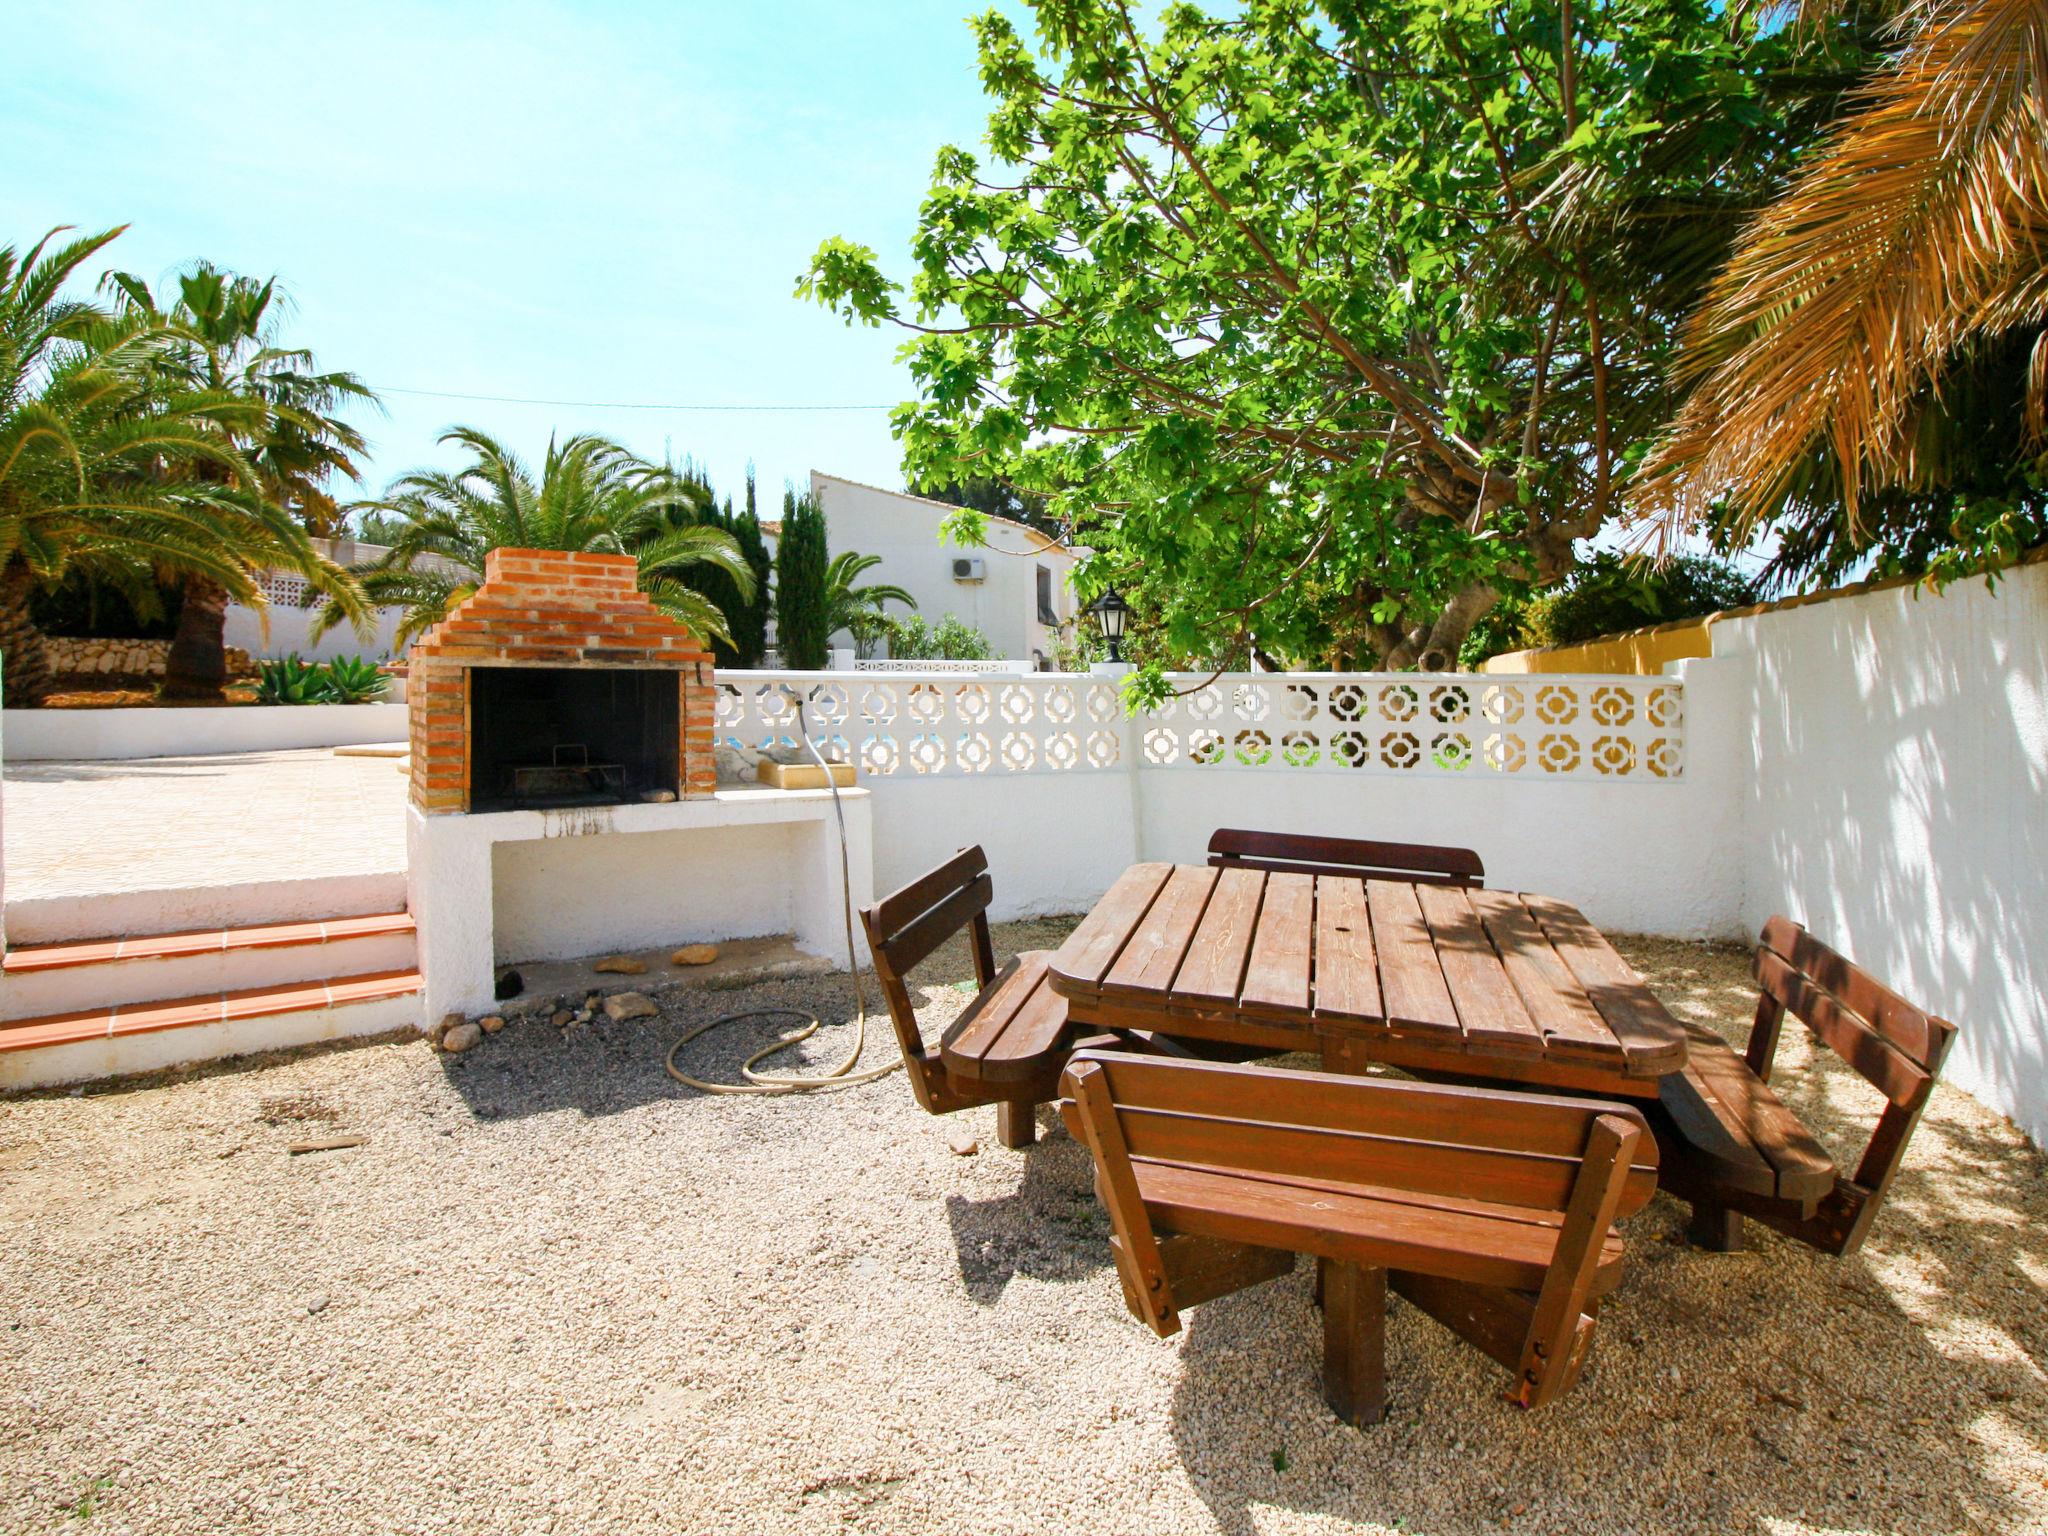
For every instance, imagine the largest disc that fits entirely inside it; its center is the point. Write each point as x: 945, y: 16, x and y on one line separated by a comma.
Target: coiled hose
x: 840, y: 1076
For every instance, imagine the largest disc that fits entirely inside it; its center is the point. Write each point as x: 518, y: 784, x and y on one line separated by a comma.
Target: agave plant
x: 591, y: 495
x: 354, y: 680
x: 289, y: 680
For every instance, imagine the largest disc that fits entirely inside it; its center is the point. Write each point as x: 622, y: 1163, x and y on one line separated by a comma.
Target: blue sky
x: 585, y: 202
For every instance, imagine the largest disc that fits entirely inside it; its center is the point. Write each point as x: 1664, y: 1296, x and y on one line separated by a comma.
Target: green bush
x: 1610, y: 594
x: 84, y: 607
x: 911, y: 639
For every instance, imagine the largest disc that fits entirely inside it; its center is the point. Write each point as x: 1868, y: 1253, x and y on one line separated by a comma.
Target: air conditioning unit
x: 970, y: 568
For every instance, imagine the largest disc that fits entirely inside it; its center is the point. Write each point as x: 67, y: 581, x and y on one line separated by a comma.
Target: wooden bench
x: 1493, y: 1212
x: 1732, y: 1147
x: 1426, y: 863
x: 1014, y: 1034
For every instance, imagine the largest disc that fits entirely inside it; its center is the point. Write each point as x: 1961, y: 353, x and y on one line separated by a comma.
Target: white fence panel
x: 1403, y: 723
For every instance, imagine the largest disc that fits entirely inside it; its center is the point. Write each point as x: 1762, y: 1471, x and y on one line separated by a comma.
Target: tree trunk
x: 197, y: 667
x: 1436, y: 648
x: 24, y: 664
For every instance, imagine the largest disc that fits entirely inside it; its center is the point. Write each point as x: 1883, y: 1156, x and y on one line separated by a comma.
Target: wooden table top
x: 1508, y: 982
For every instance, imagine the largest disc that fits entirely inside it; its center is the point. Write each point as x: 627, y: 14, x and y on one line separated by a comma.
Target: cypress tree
x: 749, y: 621
x: 800, y: 563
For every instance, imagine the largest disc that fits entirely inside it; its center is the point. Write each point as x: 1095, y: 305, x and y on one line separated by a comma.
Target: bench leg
x: 1016, y: 1123
x: 1714, y: 1227
x: 1354, y: 1341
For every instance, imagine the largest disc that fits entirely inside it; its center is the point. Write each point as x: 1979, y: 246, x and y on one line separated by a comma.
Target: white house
x: 1018, y: 590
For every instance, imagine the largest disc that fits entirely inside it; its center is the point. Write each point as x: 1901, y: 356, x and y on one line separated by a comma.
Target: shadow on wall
x: 1899, y: 784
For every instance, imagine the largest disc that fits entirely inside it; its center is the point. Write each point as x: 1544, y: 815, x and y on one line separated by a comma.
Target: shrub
x: 1610, y: 594
x: 911, y: 639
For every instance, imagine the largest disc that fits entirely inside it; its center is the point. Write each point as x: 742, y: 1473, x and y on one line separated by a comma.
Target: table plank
x: 1570, y: 1024
x: 1411, y: 978
x: 1347, y: 984
x: 1214, y: 968
x: 1092, y: 948
x: 1276, y: 978
x: 1488, y: 1005
x: 1652, y: 1040
x: 1160, y: 941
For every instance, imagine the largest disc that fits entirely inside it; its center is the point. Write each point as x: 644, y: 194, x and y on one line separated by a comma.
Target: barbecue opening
x: 547, y: 737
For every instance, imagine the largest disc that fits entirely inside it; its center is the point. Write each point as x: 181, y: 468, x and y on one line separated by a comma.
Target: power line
x: 618, y: 405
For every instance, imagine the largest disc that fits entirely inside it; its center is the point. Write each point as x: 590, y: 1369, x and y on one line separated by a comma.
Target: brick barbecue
x: 557, y: 669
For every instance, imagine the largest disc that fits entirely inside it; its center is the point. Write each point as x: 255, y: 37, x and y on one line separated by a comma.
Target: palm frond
x: 1923, y: 223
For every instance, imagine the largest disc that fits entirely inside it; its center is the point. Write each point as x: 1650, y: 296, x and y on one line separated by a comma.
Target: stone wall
x: 124, y: 658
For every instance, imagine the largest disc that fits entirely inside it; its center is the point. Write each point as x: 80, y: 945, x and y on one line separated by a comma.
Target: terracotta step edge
x: 31, y: 959
x: 207, y: 1008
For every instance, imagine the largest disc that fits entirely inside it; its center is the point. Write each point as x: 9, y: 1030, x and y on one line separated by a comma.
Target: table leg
x: 1354, y: 1340
x: 1016, y: 1123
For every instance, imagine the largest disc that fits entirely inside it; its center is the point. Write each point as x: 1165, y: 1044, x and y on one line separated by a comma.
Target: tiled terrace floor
x: 80, y: 829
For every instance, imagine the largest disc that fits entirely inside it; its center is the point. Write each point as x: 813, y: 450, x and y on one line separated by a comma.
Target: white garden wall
x: 1600, y: 790
x: 1894, y: 798
x: 77, y: 735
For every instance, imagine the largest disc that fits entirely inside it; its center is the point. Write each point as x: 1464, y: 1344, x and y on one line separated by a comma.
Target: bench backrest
x: 903, y: 929
x: 1234, y: 847
x: 1590, y: 1163
x: 1458, y: 1143
x: 1892, y: 1044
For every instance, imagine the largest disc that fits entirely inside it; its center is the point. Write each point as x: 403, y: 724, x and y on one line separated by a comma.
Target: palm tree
x: 592, y: 495
x: 857, y: 609
x: 108, y: 466
x: 225, y: 331
x: 1908, y: 257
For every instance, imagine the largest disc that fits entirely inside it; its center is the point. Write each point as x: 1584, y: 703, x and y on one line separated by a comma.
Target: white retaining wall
x: 1894, y: 797
x: 76, y: 735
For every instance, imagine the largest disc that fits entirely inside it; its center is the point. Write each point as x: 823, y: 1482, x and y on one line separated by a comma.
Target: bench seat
x: 1733, y: 1128
x: 1735, y: 1150
x: 1015, y: 1030
x: 1507, y: 1246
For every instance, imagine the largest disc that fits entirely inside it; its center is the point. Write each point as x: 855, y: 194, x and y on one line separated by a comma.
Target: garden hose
x: 840, y: 1076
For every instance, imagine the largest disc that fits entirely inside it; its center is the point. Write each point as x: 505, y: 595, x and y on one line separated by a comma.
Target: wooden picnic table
x: 1439, y: 979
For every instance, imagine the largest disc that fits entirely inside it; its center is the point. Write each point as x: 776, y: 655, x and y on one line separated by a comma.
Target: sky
x: 583, y: 202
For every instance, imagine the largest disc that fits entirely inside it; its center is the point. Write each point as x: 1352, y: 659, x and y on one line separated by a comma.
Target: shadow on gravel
x: 607, y: 1068
x: 1049, y: 1228
x: 1752, y: 1393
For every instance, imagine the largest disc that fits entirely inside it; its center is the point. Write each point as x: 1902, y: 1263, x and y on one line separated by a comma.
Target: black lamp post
x: 1109, y: 612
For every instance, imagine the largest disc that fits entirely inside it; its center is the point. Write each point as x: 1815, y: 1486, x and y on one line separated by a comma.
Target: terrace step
x: 81, y: 975
x: 143, y: 1037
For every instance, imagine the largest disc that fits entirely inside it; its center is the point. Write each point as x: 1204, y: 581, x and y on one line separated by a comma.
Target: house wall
x: 904, y: 531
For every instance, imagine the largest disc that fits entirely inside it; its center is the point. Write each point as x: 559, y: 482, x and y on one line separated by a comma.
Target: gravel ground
x: 556, y: 1292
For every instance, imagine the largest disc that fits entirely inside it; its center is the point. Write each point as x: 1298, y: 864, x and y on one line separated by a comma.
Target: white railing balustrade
x: 960, y: 722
